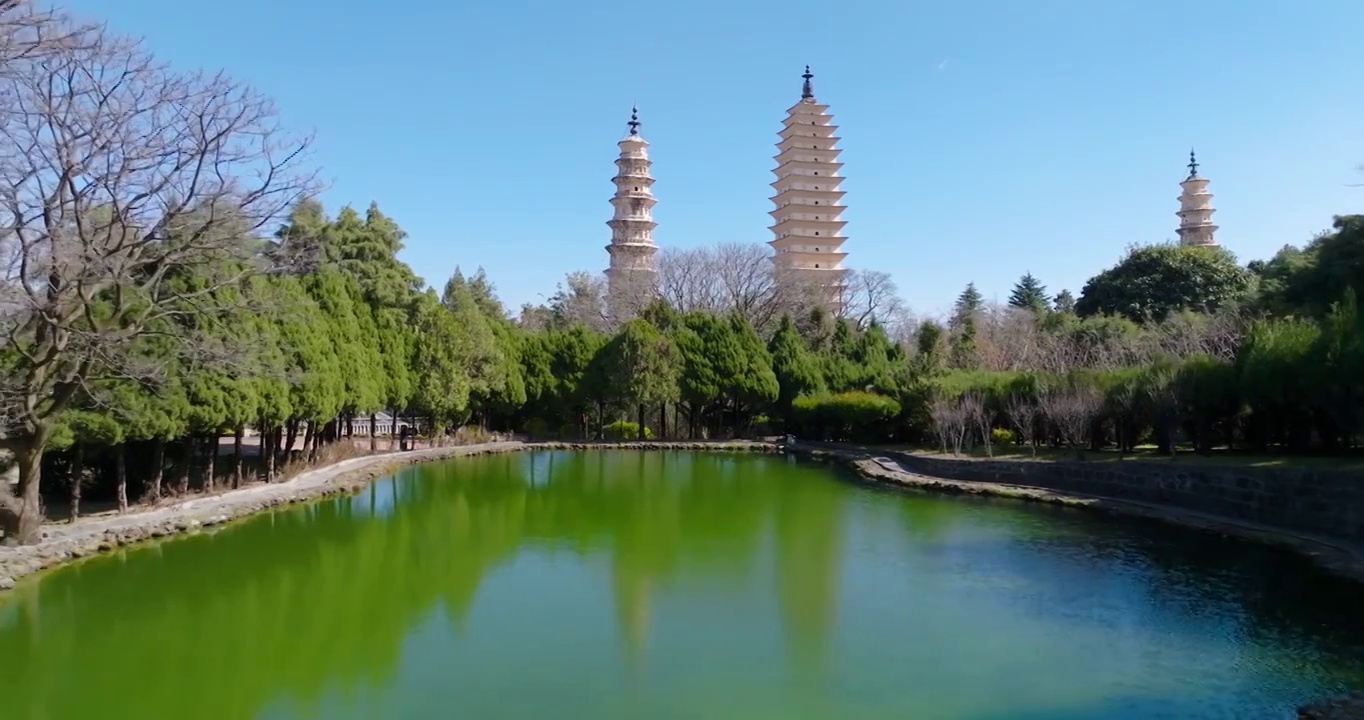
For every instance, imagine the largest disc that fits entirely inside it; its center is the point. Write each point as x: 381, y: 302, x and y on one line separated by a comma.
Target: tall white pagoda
x: 1195, y: 209
x: 630, y: 276
x: 807, y: 221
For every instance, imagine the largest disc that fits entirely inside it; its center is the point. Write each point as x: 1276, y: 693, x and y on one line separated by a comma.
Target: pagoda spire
x: 807, y: 224
x: 630, y: 275
x: 1195, y: 209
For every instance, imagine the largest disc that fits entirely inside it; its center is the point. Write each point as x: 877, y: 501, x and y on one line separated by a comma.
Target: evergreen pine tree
x: 1029, y: 293
x: 969, y: 302
x: 1064, y: 302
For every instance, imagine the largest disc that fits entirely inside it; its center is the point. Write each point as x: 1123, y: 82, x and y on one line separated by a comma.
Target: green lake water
x: 662, y: 585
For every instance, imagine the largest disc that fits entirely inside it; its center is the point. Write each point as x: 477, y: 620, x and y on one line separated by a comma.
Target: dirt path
x: 62, y: 543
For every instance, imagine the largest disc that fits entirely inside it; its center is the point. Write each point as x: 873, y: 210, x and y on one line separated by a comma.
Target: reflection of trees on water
x: 318, y: 600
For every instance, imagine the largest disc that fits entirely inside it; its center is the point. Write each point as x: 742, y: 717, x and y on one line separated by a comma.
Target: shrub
x: 1002, y: 436
x: 537, y: 428
x: 625, y: 430
x: 472, y: 435
x: 857, y: 416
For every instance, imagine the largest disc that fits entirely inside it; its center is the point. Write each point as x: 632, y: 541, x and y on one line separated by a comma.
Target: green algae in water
x: 677, y: 585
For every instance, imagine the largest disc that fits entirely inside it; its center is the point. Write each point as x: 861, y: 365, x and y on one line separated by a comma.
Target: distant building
x: 384, y: 425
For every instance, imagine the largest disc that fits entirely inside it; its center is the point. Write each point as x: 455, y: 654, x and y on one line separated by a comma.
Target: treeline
x: 1172, y: 346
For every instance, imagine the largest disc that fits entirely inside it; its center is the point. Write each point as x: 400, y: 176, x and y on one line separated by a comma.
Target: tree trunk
x: 237, y: 456
x: 350, y: 426
x: 373, y: 427
x: 331, y: 432
x: 324, y: 434
x: 308, y: 441
x: 182, y: 483
x: 663, y: 422
x: 290, y: 435
x: 393, y: 429
x: 210, y: 472
x: 643, y: 424
x: 268, y: 456
x: 77, y: 471
x: 263, y: 449
x: 23, y: 519
x: 153, y: 490
x: 121, y: 475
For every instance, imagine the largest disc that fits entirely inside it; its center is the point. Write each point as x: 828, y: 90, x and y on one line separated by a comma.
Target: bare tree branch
x: 735, y: 277
x: 870, y: 296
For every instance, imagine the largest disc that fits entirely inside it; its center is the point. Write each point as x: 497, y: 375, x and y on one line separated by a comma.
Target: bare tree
x: 686, y: 279
x: 949, y: 423
x: 978, y: 417
x: 734, y: 277
x: 628, y: 293
x: 1072, y: 409
x: 1008, y: 338
x: 1182, y: 335
x: 1023, y: 412
x: 28, y: 32
x: 870, y: 296
x: 581, y: 299
x: 116, y: 176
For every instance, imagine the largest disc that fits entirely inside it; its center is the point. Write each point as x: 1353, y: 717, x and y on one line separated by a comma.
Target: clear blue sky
x: 982, y: 138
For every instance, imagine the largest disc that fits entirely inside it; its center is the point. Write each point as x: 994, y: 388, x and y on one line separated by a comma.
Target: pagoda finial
x: 1193, y: 164
x: 634, y: 120
x: 807, y: 90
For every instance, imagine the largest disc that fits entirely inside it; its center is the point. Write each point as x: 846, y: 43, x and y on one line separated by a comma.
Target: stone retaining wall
x: 1324, y: 502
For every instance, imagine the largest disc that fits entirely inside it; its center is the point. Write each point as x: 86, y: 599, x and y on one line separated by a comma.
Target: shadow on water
x: 329, y: 602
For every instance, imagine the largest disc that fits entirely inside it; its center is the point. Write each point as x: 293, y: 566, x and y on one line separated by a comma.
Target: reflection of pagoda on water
x: 659, y: 519
x: 809, y: 534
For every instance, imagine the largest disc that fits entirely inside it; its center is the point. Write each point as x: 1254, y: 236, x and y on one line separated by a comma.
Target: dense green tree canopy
x: 1154, y: 281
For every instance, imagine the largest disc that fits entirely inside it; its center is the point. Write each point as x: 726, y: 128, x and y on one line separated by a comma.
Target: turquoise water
x: 677, y: 585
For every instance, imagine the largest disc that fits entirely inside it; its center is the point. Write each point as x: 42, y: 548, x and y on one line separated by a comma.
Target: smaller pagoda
x: 1195, y: 209
x: 630, y: 276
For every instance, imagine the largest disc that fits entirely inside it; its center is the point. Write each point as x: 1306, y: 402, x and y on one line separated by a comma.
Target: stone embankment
x: 1225, y: 500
